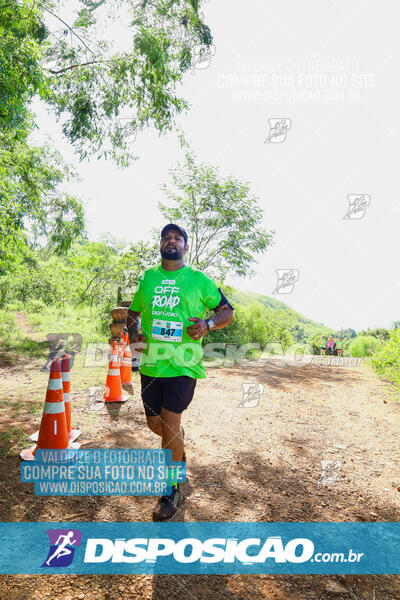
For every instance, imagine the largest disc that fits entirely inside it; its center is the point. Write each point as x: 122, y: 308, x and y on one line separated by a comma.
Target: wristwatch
x: 210, y: 324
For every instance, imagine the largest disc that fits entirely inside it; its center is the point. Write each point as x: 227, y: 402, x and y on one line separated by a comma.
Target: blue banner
x: 102, y: 472
x: 200, y: 548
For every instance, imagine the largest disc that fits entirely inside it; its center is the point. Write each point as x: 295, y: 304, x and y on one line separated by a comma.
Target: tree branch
x: 208, y: 240
x: 70, y: 28
x: 91, y: 62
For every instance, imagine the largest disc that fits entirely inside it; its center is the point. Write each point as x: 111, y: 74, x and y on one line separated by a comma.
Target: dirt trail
x: 320, y: 444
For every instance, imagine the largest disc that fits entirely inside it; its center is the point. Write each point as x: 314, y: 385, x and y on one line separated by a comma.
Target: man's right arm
x: 133, y: 322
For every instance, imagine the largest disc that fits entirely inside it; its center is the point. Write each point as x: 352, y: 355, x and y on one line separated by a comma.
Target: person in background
x: 331, y: 345
x: 323, y: 345
x: 339, y: 347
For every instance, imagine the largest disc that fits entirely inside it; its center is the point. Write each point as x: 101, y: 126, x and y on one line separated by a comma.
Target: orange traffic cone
x: 113, y: 391
x: 53, y: 433
x: 126, y: 366
x: 73, y: 434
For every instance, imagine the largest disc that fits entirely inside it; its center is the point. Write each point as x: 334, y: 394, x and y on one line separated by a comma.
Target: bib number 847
x: 164, y: 331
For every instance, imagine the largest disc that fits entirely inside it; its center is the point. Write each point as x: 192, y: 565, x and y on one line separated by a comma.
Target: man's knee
x: 154, y: 424
x: 170, y: 421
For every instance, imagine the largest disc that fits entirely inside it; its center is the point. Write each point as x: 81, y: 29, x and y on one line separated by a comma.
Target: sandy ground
x: 320, y: 443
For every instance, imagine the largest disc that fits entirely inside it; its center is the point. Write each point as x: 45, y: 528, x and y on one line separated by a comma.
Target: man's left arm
x: 224, y: 314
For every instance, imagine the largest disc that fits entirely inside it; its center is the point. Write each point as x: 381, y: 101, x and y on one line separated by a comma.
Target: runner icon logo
x: 201, y: 56
x: 357, y: 205
x: 278, y: 129
x: 252, y: 393
x: 63, y: 543
x: 286, y: 280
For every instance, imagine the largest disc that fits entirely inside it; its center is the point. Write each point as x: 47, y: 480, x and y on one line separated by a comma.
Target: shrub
x: 9, y: 331
x: 363, y: 345
x: 386, y: 361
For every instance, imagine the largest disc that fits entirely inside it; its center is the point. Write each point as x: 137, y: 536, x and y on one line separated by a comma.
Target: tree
x: 348, y: 333
x: 221, y: 217
x: 278, y: 327
x: 22, y: 33
x: 105, y: 95
x: 32, y: 207
x: 91, y: 85
x: 380, y: 332
x: 33, y: 210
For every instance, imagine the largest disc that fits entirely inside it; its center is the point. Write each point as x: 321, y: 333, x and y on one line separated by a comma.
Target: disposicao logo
x: 189, y: 550
x: 63, y: 543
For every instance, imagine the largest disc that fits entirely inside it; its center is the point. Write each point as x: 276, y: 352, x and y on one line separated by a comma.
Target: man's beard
x: 171, y: 254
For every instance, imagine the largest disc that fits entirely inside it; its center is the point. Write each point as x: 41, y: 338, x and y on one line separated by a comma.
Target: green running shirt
x: 166, y: 300
x: 339, y: 344
x: 323, y: 343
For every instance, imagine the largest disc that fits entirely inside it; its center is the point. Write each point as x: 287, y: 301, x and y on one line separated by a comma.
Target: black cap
x: 177, y: 228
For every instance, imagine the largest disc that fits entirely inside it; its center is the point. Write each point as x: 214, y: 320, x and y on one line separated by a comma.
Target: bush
x: 363, y: 345
x: 35, y: 306
x: 386, y: 361
x: 9, y: 331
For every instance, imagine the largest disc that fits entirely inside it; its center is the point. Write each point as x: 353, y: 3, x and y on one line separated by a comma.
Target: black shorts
x: 173, y: 393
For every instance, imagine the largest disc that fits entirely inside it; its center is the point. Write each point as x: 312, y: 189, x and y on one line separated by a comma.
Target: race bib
x: 167, y: 331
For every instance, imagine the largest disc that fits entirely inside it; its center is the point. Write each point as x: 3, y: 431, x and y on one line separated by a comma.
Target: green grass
x: 68, y: 319
x: 13, y: 440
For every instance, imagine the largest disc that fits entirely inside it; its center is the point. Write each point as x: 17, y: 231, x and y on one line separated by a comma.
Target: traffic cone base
x: 28, y: 453
x: 53, y: 433
x: 123, y: 397
x: 74, y: 434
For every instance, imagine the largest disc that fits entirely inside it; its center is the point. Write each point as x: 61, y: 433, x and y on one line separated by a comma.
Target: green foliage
x: 302, y: 329
x: 71, y: 319
x: 31, y: 205
x: 93, y: 84
x: 88, y: 278
x: 254, y: 324
x: 235, y: 333
x: 386, y: 360
x: 8, y: 329
x: 279, y: 326
x: 347, y: 334
x: 363, y: 345
x: 221, y: 217
x: 380, y: 333
x: 22, y: 35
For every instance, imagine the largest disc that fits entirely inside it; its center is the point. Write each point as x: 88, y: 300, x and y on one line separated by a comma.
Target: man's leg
x: 177, y: 395
x: 171, y: 433
x: 152, y: 399
x: 154, y: 423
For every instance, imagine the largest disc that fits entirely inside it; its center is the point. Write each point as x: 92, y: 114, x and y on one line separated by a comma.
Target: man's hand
x: 198, y: 329
x: 138, y: 343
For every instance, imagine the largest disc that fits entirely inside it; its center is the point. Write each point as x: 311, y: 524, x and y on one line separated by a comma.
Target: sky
x: 301, y: 101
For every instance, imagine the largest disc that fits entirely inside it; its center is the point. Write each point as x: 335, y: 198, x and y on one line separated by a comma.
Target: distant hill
x: 304, y: 326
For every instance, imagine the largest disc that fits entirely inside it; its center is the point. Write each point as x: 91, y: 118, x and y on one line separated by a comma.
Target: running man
x: 62, y: 549
x: 331, y: 345
x: 323, y: 345
x: 339, y: 346
x: 170, y: 304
